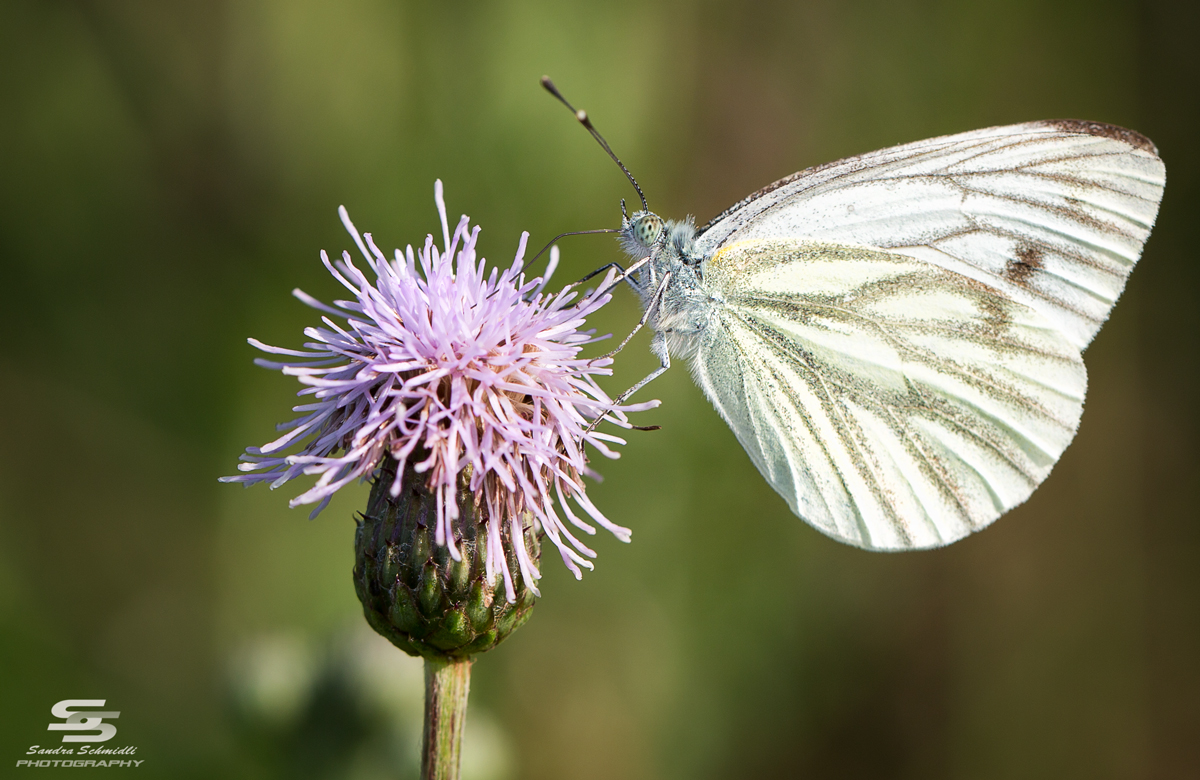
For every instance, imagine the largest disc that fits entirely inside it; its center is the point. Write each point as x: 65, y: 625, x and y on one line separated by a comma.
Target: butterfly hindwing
x: 893, y: 403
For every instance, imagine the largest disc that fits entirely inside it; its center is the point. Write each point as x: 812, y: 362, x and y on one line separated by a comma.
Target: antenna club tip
x: 547, y: 83
x: 582, y: 116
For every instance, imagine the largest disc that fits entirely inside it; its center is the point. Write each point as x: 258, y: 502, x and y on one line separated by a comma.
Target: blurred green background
x: 168, y: 173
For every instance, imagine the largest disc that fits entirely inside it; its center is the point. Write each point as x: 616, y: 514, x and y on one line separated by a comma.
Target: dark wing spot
x: 1019, y: 269
x: 1134, y: 139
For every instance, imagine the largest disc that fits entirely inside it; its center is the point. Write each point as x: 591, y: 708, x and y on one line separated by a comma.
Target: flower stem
x: 447, y: 683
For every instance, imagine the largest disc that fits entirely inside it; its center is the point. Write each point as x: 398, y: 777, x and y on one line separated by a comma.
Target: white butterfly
x: 895, y: 338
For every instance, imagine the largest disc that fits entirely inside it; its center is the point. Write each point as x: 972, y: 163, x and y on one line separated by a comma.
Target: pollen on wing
x: 447, y: 365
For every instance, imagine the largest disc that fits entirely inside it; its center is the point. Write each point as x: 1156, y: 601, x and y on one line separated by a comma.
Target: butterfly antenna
x: 582, y: 116
x: 564, y: 235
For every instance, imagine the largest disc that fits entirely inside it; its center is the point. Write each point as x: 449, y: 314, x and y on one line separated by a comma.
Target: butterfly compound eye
x: 647, y: 229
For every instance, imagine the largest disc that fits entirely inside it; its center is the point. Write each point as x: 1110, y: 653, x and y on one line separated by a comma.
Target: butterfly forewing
x: 893, y: 403
x: 1050, y: 214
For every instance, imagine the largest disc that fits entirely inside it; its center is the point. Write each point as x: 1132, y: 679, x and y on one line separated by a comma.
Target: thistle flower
x: 467, y: 374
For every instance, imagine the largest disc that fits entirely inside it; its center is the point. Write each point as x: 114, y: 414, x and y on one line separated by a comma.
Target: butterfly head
x: 640, y: 233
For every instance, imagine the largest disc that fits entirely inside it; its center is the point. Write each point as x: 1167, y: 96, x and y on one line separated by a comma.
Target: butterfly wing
x: 893, y: 403
x: 1050, y: 214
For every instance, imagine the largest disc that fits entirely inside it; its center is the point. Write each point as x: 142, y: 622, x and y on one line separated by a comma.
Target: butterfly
x: 895, y: 338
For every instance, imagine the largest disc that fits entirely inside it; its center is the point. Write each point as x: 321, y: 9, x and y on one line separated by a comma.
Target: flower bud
x: 412, y: 589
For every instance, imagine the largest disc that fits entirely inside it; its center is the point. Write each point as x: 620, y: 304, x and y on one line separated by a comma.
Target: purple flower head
x: 441, y: 361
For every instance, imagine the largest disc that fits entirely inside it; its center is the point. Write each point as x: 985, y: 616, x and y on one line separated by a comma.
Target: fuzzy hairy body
x: 685, y: 307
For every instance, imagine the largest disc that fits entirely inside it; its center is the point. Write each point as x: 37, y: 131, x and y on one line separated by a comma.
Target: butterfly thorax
x: 671, y: 281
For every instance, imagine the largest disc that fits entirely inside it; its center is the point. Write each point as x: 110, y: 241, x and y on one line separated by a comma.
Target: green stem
x: 446, y: 686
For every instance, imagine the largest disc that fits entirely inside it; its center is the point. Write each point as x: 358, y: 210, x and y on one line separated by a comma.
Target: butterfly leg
x: 658, y: 293
x: 601, y: 270
x: 658, y: 346
x: 626, y: 276
x: 623, y: 276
